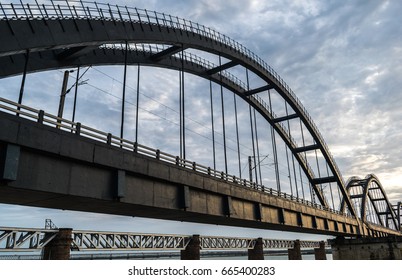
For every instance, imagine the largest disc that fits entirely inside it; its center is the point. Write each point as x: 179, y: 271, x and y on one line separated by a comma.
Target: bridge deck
x: 59, y: 169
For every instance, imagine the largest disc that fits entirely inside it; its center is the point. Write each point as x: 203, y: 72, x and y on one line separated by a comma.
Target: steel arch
x: 74, y: 31
x: 367, y: 185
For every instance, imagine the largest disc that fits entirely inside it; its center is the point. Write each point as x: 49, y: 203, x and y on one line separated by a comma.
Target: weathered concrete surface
x: 320, y: 253
x: 57, y: 169
x: 380, y: 248
x: 295, y: 252
x: 192, y: 251
x: 257, y: 253
x: 59, y: 247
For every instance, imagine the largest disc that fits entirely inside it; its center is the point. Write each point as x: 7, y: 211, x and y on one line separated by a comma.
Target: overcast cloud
x: 343, y: 59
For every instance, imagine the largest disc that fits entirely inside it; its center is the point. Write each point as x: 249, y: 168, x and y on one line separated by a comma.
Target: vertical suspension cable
x: 213, y: 126
x: 330, y: 190
x: 24, y: 75
x: 183, y: 103
x: 319, y: 172
x: 223, y: 119
x: 137, y: 103
x: 252, y: 133
x: 293, y: 158
x: 181, y: 115
x: 305, y: 159
x: 124, y: 92
x: 301, y: 182
x: 76, y: 93
x: 237, y: 134
x: 290, y: 179
x: 275, y: 152
x: 258, y: 148
x: 339, y: 195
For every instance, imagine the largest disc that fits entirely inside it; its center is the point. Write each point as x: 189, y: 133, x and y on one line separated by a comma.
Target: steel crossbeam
x: 19, y: 239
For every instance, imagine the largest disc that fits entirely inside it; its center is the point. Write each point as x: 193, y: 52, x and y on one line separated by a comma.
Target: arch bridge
x: 262, y: 123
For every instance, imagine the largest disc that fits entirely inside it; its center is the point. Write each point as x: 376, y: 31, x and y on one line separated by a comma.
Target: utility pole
x: 250, y: 168
x: 63, y: 97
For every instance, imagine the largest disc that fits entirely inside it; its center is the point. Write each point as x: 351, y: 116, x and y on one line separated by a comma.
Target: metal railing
x: 79, y: 129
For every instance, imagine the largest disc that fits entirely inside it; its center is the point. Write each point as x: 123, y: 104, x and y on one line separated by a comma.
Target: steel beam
x: 286, y: 118
x: 258, y: 90
x: 222, y: 67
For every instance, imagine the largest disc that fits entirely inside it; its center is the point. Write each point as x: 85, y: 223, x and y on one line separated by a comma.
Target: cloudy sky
x: 343, y: 59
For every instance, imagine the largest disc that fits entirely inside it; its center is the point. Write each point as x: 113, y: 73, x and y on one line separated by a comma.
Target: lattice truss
x: 127, y: 241
x: 210, y: 243
x: 17, y: 239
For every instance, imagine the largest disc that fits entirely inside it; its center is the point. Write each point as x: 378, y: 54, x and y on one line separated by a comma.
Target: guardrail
x: 79, y: 129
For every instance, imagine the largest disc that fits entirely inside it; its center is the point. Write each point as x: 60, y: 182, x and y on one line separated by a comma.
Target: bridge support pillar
x: 192, y: 251
x: 59, y: 247
x: 320, y: 253
x: 257, y: 253
x: 295, y: 252
x: 380, y: 248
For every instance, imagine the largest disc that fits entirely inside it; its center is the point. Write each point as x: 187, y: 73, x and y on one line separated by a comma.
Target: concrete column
x: 59, y: 247
x: 295, y: 252
x: 320, y: 253
x: 192, y: 251
x: 257, y: 253
x: 378, y: 248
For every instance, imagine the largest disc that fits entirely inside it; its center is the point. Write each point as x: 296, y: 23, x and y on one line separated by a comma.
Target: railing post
x: 192, y: 251
x: 158, y: 154
x: 109, y: 139
x: 41, y: 116
x: 78, y: 128
x: 59, y: 247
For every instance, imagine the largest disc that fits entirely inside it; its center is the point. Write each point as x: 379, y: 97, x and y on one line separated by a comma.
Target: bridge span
x: 54, y: 162
x: 56, y: 243
x: 64, y: 167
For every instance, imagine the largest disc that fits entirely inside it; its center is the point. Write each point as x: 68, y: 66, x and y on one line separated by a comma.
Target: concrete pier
x: 380, y: 248
x: 192, y: 251
x: 257, y: 253
x: 320, y: 253
x: 59, y: 247
x: 295, y: 252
